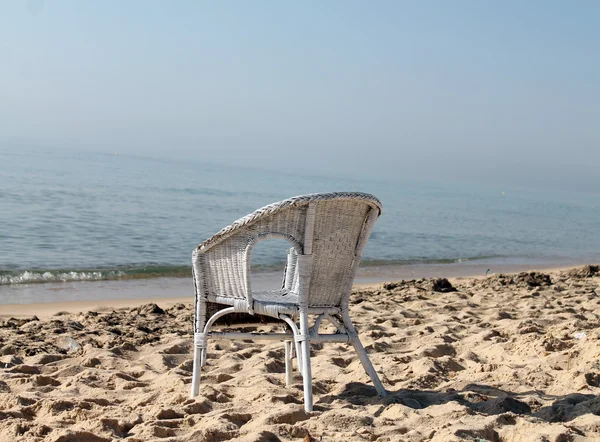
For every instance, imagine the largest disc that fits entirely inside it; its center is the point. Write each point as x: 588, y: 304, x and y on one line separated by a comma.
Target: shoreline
x: 47, y: 309
x: 75, y: 297
x: 10, y: 277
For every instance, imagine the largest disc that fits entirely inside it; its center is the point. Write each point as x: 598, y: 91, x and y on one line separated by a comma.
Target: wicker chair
x: 328, y: 233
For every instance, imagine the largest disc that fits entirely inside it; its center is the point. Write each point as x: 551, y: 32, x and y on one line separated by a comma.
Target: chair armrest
x: 290, y: 275
x: 222, y: 270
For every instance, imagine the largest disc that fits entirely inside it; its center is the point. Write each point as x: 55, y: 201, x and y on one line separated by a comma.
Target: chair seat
x: 275, y: 302
x: 269, y: 302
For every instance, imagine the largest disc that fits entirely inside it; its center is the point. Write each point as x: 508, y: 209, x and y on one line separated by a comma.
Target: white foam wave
x: 36, y: 277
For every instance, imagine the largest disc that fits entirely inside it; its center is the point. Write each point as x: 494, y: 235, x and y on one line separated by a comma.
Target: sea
x: 78, y: 225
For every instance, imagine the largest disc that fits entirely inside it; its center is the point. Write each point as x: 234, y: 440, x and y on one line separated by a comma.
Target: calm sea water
x: 84, y: 216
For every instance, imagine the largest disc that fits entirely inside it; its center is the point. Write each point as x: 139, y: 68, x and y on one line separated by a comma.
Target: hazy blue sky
x: 506, y: 90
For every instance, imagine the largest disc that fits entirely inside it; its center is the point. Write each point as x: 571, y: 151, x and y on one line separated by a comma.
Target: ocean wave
x: 29, y: 277
x: 37, y: 276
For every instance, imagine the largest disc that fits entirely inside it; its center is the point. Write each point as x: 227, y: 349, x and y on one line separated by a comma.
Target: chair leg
x: 300, y: 358
x: 363, y: 356
x: 288, y: 363
x: 203, y: 357
x: 306, y: 368
x: 197, y: 364
x: 296, y: 342
x: 200, y: 346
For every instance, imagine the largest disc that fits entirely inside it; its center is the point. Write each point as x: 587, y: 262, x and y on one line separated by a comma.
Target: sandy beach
x: 503, y: 357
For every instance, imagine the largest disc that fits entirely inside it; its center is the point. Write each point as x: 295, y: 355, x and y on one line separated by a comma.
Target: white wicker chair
x: 328, y: 233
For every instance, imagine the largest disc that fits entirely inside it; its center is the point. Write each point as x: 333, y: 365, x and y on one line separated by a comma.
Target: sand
x: 502, y: 358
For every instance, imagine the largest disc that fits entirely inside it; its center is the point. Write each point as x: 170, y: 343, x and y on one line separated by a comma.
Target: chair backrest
x: 332, y: 227
x: 341, y: 230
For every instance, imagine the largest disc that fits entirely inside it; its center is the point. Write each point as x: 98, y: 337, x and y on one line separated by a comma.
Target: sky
x: 464, y: 90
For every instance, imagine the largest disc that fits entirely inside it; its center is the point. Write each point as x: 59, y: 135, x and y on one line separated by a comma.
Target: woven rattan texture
x: 282, y: 205
x: 338, y: 225
x: 342, y: 223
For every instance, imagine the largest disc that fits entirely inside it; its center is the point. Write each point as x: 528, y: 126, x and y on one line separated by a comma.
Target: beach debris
x: 150, y: 309
x: 592, y: 379
x: 587, y: 271
x: 580, y: 335
x: 391, y: 285
x: 568, y: 407
x: 16, y: 323
x: 435, y: 284
x: 502, y: 405
x: 523, y: 279
x: 69, y: 344
x: 414, y: 283
x: 442, y: 285
x: 533, y: 279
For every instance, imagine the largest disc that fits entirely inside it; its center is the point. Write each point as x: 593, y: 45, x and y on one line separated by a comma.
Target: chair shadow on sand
x: 479, y: 398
